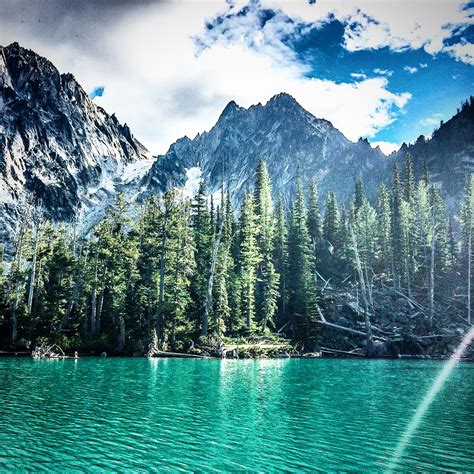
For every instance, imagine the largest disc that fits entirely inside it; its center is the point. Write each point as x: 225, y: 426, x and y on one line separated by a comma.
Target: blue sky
x: 387, y: 70
x: 436, y: 77
x: 97, y: 92
x: 438, y: 83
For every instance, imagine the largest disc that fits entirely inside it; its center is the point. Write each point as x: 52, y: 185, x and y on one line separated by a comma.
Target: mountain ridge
x: 277, y: 131
x: 67, y: 152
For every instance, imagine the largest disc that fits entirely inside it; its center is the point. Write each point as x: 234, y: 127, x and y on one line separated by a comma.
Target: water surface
x: 120, y: 414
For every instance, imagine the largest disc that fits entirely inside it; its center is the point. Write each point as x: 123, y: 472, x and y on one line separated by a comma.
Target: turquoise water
x: 168, y: 415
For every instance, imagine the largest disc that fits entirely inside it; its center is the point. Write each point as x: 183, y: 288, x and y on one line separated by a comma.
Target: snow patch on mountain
x: 133, y: 172
x: 193, y: 180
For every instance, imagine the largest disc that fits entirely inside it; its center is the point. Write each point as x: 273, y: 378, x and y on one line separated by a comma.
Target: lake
x: 134, y: 414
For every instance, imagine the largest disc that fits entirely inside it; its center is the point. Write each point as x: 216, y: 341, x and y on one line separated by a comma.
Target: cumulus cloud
x: 386, y: 147
x: 358, y: 75
x: 383, y: 72
x: 462, y: 51
x: 410, y: 69
x: 167, y: 75
x: 402, y: 25
x: 169, y: 68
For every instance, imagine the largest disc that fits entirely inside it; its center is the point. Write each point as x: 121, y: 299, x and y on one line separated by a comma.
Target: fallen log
x: 14, y: 353
x: 410, y: 300
x: 283, y: 327
x: 327, y: 350
x: 352, y: 331
x: 178, y: 354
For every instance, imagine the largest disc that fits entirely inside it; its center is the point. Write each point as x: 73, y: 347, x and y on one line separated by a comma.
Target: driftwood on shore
x: 352, y: 331
x: 337, y: 352
x: 178, y: 354
x: 48, y: 351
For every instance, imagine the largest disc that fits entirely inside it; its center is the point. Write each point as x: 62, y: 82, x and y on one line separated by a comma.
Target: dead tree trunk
x: 33, y: 271
x: 121, y: 336
x: 19, y: 254
x: 360, y: 273
x: 99, y: 312
x: 94, y: 294
x: 159, y: 311
x: 432, y: 273
x: 210, y: 282
x: 469, y: 263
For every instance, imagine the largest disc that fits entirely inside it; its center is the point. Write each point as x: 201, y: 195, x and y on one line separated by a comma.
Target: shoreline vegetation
x: 195, y: 278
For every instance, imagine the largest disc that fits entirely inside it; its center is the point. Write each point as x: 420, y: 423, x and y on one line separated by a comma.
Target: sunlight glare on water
x: 426, y: 402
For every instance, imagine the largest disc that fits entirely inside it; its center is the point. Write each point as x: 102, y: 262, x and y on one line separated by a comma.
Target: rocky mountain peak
x: 56, y: 144
x: 283, y: 99
x: 284, y: 134
x: 229, y: 109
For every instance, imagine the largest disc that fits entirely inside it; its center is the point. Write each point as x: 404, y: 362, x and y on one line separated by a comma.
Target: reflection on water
x: 209, y: 415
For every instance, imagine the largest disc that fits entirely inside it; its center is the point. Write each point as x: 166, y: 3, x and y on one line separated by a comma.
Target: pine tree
x: 314, y: 214
x: 267, y: 277
x: 280, y: 258
x: 410, y: 187
x: 249, y: 259
x: 359, y: 196
x: 148, y: 230
x: 55, y: 281
x: 365, y: 228
x: 331, y: 235
x: 398, y: 237
x: 119, y: 254
x: 180, y: 267
x: 203, y: 231
x: 409, y: 222
x: 301, y: 291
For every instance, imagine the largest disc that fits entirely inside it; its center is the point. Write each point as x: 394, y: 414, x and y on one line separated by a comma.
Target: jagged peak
x: 13, y: 46
x: 16, y: 49
x: 283, y: 98
x: 229, y: 108
x: 18, y: 59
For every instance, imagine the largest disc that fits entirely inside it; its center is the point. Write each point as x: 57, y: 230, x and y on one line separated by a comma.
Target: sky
x: 384, y: 70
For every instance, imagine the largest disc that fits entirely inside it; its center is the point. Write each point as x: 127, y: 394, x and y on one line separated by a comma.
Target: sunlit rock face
x: 286, y: 136
x: 56, y: 145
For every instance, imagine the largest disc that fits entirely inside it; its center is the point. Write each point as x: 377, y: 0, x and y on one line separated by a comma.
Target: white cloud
x: 357, y: 75
x: 433, y: 120
x: 383, y: 72
x: 423, y: 65
x: 386, y: 147
x: 399, y: 25
x: 156, y: 81
x: 410, y: 69
x: 462, y: 51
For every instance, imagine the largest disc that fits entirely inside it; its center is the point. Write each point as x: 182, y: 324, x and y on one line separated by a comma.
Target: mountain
x: 286, y: 136
x: 56, y: 145
x: 62, y: 151
x: 289, y: 138
x: 449, y: 153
